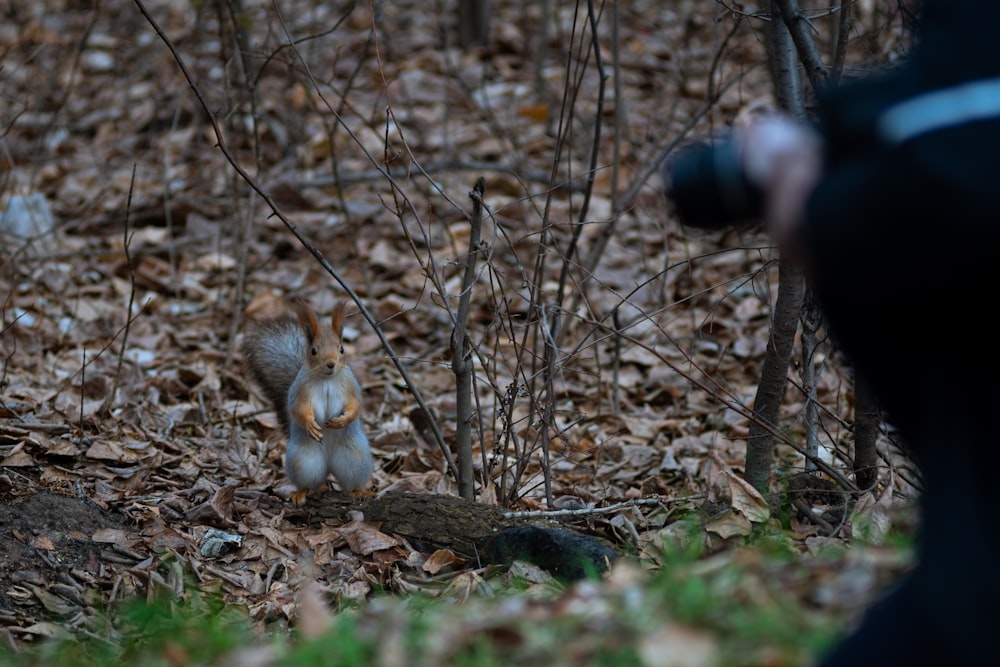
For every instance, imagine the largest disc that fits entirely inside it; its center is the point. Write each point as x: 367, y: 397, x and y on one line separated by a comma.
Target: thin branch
x: 461, y: 350
x: 551, y: 361
x: 126, y: 243
x: 447, y: 164
x: 843, y: 36
x: 594, y: 511
x: 798, y: 26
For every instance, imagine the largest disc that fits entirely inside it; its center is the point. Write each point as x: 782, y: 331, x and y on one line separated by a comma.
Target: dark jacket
x: 902, y: 243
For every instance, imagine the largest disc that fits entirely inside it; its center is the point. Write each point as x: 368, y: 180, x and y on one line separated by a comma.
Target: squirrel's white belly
x: 328, y: 401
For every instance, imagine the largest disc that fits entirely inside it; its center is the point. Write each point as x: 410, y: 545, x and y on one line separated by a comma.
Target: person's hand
x: 783, y: 157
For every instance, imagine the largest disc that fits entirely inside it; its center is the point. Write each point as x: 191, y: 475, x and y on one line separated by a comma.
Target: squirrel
x: 300, y: 368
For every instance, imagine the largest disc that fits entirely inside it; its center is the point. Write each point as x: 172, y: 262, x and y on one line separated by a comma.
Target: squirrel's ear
x: 307, y: 318
x: 337, y: 319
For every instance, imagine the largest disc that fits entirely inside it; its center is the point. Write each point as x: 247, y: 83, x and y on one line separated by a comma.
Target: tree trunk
x: 774, y: 376
x: 866, y: 420
x: 473, y: 23
x: 791, y: 286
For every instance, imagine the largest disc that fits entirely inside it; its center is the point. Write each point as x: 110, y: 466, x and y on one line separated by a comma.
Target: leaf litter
x: 130, y: 472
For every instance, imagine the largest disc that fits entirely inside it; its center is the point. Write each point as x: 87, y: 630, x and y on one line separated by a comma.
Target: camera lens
x: 708, y: 189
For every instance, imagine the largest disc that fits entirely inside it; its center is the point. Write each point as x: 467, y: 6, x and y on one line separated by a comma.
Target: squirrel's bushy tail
x: 274, y: 350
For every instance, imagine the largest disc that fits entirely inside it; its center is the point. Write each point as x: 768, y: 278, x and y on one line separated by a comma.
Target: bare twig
x: 83, y: 385
x: 552, y: 361
x: 242, y: 223
x: 608, y: 509
x: 809, y: 341
x: 620, y: 126
x: 461, y: 350
x: 447, y: 164
x: 791, y: 282
x: 126, y: 243
x: 595, y: 144
x: 616, y: 362
x: 843, y: 37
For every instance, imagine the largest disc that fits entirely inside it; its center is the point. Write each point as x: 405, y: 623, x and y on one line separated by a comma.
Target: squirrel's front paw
x: 338, y: 422
x: 299, y: 497
x: 315, y: 431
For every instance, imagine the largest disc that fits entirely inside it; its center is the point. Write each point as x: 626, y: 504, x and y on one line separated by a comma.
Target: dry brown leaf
x: 746, y: 499
x: 42, y: 542
x: 54, y: 603
x: 217, y: 509
x: 461, y: 587
x: 18, y: 458
x: 110, y: 536
x: 729, y: 523
x: 365, y: 538
x: 440, y: 560
x: 536, y: 112
x: 46, y: 629
x: 63, y: 446
x: 874, y: 510
x: 115, y: 452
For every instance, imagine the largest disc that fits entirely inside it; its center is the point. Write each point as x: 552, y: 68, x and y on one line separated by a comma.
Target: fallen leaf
x: 52, y: 602
x: 109, y: 536
x: 729, y: 523
x: 746, y: 499
x: 365, y: 538
x: 43, y: 542
x: 536, y: 112
x: 440, y: 560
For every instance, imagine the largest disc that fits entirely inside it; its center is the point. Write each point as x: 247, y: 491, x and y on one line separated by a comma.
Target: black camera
x: 708, y: 187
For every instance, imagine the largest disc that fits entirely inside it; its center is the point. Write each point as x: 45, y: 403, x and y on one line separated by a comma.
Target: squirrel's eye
x: 314, y: 351
x: 341, y: 349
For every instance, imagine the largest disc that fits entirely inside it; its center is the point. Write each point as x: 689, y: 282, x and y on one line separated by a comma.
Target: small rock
x: 217, y: 543
x: 27, y: 217
x: 98, y: 62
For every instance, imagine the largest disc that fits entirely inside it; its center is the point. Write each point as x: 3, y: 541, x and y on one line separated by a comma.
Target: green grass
x: 748, y: 605
x: 194, y: 630
x: 741, y: 598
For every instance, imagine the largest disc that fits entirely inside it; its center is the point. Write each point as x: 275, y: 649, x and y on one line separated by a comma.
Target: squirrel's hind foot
x: 299, y: 497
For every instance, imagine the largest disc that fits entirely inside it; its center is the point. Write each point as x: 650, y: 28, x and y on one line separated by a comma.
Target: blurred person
x: 892, y: 208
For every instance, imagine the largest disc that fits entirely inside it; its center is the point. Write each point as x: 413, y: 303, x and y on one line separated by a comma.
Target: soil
x: 46, y: 540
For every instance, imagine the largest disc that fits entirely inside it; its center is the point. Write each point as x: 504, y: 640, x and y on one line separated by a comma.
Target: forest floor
x: 136, y: 458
